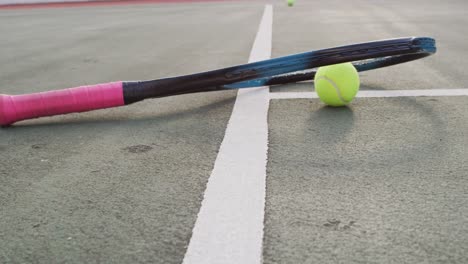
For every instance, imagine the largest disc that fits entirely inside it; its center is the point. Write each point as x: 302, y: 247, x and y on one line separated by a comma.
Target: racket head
x: 416, y: 48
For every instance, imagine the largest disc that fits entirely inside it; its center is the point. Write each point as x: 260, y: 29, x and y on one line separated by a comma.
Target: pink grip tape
x: 14, y: 108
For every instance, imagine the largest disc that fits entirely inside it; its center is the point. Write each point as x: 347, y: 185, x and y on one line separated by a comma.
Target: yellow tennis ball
x: 291, y: 2
x: 337, y: 85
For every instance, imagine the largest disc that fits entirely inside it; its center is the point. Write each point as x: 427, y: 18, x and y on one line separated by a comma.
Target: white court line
x: 375, y: 94
x: 229, y: 227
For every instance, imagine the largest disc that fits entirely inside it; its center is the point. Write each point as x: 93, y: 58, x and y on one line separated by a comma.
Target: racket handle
x: 14, y: 108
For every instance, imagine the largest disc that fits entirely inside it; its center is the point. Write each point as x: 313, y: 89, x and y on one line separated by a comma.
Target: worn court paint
x: 376, y: 94
x: 229, y: 227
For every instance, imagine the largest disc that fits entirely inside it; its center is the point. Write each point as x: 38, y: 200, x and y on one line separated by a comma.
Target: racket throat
x: 139, y: 90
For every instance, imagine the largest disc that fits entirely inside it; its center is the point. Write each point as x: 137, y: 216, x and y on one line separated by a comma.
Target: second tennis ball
x: 291, y: 2
x: 337, y: 85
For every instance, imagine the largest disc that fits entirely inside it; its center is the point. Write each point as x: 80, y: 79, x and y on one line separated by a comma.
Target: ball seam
x: 334, y: 86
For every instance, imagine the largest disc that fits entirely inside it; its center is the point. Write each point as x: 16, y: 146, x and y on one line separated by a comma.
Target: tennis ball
x: 337, y: 85
x: 291, y: 2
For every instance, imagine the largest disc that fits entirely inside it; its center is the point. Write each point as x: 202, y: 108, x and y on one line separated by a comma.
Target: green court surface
x: 383, y: 180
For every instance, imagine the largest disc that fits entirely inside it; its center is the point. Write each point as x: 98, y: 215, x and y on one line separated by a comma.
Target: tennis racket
x: 292, y: 68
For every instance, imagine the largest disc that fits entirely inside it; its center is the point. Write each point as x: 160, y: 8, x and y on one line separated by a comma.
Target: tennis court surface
x: 260, y: 175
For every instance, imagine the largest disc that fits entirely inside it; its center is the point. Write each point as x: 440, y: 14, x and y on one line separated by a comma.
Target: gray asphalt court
x: 383, y: 180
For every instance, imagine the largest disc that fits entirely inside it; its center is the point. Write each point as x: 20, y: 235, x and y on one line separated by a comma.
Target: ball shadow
x: 332, y: 124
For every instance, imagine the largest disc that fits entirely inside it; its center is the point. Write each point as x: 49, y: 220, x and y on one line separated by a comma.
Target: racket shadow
x: 395, y: 132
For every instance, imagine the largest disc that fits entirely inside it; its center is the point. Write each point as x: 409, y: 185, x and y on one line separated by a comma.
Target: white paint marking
x: 229, y: 227
x: 377, y: 94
